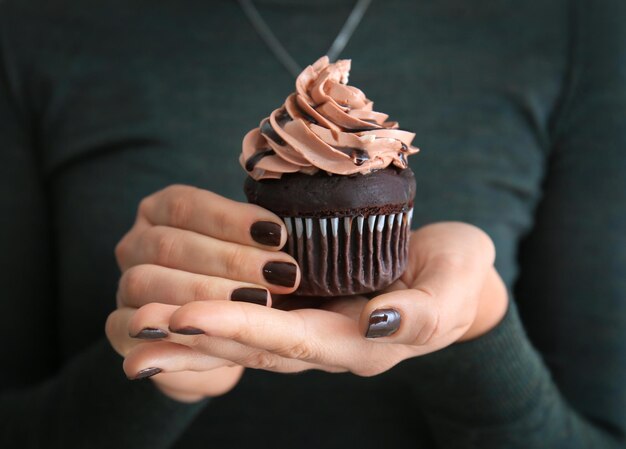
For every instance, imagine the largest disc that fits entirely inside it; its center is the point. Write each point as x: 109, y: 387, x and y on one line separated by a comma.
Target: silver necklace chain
x: 279, y: 50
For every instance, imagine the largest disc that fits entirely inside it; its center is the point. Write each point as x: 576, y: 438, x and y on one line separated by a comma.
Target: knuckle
x: 145, y: 205
x: 134, y: 282
x: 109, y: 326
x: 236, y: 258
x: 429, y: 326
x: 121, y: 250
x: 221, y: 221
x: 178, y: 209
x: 165, y: 244
x: 300, y: 351
x: 202, y: 290
x: 261, y: 360
x: 175, y: 190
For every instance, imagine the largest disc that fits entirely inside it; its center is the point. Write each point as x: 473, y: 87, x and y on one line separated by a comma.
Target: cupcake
x: 336, y: 172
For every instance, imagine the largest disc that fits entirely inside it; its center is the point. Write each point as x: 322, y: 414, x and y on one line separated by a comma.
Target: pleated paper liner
x: 348, y: 255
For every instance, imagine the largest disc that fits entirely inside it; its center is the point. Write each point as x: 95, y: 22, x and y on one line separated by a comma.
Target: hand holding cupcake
x: 200, y: 270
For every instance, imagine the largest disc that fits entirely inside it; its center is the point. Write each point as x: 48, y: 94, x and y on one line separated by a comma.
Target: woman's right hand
x: 189, y: 245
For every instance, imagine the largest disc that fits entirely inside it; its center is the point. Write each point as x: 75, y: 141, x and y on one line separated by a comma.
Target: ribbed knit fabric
x: 519, y: 110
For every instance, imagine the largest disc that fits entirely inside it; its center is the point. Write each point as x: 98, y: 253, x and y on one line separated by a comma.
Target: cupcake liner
x: 348, y: 255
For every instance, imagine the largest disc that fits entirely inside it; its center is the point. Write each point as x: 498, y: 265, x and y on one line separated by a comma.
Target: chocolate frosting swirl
x: 325, y: 125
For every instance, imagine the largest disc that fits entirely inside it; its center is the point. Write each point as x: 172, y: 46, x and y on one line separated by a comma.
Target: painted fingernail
x: 150, y: 333
x: 248, y: 294
x: 187, y: 331
x: 266, y: 233
x: 382, y: 323
x: 147, y: 372
x: 280, y: 273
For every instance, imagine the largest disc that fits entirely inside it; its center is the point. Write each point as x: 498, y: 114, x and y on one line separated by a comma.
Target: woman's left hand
x: 450, y: 292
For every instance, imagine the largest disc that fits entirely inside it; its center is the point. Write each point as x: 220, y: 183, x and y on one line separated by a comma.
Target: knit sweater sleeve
x: 561, y: 383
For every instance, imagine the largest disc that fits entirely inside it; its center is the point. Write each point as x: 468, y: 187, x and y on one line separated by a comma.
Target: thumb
x: 440, y: 302
x: 408, y: 316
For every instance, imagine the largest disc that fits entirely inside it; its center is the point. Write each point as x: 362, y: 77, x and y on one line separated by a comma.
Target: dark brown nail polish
x: 187, y: 331
x: 247, y: 294
x: 147, y: 372
x: 150, y: 333
x: 280, y: 273
x: 266, y: 233
x: 382, y: 323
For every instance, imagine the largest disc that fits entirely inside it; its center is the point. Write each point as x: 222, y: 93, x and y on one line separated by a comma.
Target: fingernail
x: 187, y: 331
x: 150, y: 333
x: 266, y: 233
x: 247, y: 294
x: 280, y: 273
x: 382, y: 323
x: 145, y: 373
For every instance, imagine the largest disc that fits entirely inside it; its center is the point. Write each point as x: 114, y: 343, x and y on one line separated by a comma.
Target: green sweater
x: 519, y: 108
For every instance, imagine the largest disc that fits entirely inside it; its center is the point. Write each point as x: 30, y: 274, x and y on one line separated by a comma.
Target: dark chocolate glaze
x: 385, y: 191
x: 256, y: 157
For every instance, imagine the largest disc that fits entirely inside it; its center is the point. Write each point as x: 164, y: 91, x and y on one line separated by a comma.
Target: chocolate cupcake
x: 336, y: 172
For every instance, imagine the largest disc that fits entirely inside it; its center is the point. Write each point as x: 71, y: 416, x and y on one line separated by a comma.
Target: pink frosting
x: 325, y: 125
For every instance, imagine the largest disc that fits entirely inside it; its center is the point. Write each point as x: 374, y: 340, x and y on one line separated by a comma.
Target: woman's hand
x: 191, y: 245
x: 450, y: 292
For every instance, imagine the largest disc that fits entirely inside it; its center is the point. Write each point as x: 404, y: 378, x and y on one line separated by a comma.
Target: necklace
x: 279, y: 50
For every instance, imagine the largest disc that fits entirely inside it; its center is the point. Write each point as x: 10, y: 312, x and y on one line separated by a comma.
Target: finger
x: 441, y: 301
x: 153, y: 322
x: 153, y: 318
x: 318, y: 337
x: 180, y: 372
x: 150, y: 322
x: 210, y: 214
x: 143, y: 284
x: 196, y: 253
x: 168, y: 357
x: 116, y: 329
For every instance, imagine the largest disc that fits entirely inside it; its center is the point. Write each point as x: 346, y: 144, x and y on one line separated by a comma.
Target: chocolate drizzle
x: 358, y: 155
x: 268, y: 131
x: 256, y: 158
x: 356, y: 130
x: 283, y: 118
